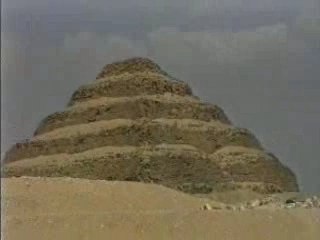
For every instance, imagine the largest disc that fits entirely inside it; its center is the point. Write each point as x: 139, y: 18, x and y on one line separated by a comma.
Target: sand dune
x: 65, y: 208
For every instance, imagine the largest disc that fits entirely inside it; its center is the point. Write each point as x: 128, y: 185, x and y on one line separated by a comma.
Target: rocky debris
x: 310, y: 202
x: 271, y: 202
x: 213, y: 206
x: 313, y: 202
x: 207, y: 206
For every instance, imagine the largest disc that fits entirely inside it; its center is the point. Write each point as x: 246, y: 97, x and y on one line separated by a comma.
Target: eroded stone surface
x: 137, y: 123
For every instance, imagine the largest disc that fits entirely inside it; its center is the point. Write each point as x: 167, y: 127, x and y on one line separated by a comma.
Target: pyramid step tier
x: 207, y: 136
x: 146, y: 106
x: 181, y: 167
x: 131, y: 65
x: 130, y: 85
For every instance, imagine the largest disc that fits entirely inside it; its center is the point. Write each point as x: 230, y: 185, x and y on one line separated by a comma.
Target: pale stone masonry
x: 137, y: 123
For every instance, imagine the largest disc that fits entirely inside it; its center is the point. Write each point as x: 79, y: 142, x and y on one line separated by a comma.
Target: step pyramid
x: 137, y: 123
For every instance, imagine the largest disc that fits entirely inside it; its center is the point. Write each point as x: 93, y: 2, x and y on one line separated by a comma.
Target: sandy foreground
x: 65, y: 208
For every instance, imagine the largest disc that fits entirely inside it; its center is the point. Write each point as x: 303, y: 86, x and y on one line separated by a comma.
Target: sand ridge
x: 64, y: 208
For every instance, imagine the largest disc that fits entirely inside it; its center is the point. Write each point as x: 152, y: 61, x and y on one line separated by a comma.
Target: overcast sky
x: 257, y: 59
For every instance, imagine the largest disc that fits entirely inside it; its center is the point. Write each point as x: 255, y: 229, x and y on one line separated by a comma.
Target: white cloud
x: 263, y: 43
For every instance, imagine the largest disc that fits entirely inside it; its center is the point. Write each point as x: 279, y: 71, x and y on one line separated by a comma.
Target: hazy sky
x: 257, y: 59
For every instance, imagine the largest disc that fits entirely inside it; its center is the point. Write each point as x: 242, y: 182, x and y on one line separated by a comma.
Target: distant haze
x: 257, y: 59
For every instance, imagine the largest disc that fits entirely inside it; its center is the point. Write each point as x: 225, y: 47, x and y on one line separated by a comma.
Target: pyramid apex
x: 130, y: 65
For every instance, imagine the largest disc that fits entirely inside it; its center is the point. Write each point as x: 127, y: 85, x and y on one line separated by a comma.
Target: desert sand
x: 66, y: 208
